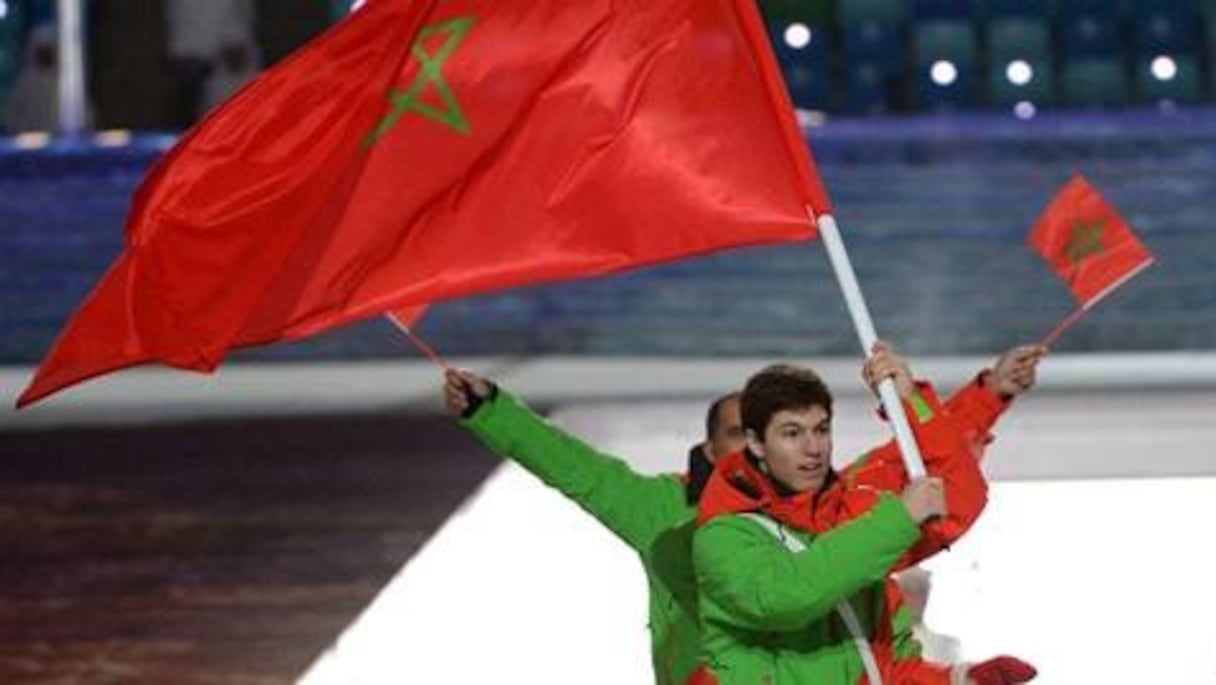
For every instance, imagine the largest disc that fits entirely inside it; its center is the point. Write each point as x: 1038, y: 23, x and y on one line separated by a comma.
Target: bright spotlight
x: 943, y: 72
x: 1019, y: 72
x: 112, y: 138
x: 1024, y: 110
x: 797, y: 35
x: 1164, y: 68
x: 3, y: 10
x: 31, y: 140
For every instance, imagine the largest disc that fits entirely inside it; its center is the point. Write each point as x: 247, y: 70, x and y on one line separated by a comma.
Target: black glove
x: 473, y: 400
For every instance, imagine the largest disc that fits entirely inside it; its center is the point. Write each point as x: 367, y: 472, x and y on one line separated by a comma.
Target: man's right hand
x: 925, y: 498
x: 464, y: 391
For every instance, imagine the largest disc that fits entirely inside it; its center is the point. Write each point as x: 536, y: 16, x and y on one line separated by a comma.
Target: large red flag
x: 424, y: 150
x: 1085, y: 241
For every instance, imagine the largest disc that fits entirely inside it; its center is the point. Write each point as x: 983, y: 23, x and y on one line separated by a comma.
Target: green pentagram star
x: 430, y: 74
x: 1085, y: 241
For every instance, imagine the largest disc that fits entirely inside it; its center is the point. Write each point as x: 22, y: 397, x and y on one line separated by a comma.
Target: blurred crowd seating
x: 839, y: 56
x: 875, y: 56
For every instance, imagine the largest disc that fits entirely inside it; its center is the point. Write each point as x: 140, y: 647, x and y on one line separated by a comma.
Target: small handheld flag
x: 1089, y: 246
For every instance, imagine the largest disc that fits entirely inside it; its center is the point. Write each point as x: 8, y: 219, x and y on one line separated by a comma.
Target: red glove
x: 702, y: 676
x: 1001, y: 670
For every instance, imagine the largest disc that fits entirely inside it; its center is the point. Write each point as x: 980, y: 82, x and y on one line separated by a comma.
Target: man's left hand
x: 1015, y: 371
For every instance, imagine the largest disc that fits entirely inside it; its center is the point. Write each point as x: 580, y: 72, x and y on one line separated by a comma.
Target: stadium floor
x: 217, y: 553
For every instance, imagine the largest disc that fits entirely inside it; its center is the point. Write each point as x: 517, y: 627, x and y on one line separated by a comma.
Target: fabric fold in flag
x: 1087, y: 243
x: 422, y: 151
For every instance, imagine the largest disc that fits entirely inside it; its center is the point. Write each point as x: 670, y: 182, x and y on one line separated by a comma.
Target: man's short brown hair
x: 713, y: 417
x: 777, y: 388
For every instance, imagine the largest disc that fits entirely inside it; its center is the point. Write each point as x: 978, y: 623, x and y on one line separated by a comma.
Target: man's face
x: 728, y: 434
x: 797, y: 446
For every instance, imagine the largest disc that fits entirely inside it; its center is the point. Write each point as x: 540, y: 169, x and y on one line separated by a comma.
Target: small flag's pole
x: 830, y: 234
x: 1063, y: 326
x: 1085, y: 307
x: 419, y: 343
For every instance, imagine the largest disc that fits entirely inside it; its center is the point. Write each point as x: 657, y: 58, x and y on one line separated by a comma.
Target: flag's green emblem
x: 430, y: 75
x: 1085, y: 241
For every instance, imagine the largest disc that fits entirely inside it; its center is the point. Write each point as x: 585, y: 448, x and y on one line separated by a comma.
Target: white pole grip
x: 829, y: 233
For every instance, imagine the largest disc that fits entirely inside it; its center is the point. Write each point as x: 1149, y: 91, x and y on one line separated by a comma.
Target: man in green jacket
x: 655, y: 515
x: 793, y: 563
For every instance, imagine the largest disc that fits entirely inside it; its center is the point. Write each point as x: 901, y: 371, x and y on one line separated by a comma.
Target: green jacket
x: 651, y: 514
x: 768, y: 616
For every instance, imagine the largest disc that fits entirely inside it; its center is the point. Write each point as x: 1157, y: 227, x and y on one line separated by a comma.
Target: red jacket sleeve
x: 947, y: 455
x: 976, y: 408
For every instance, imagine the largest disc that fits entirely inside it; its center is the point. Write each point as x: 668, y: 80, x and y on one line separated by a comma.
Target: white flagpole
x: 830, y: 234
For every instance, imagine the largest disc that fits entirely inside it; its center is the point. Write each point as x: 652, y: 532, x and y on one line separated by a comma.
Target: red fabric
x: 515, y: 142
x: 1085, y: 241
x: 704, y: 675
x: 914, y: 670
x: 736, y: 486
x: 976, y: 409
x: 948, y: 448
x: 1002, y: 670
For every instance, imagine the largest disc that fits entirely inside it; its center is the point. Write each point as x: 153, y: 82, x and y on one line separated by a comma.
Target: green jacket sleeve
x: 748, y: 578
x: 634, y: 507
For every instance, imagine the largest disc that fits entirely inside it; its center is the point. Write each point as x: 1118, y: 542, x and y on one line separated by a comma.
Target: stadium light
x: 1025, y: 110
x: 113, y: 138
x: 943, y: 72
x: 3, y: 10
x: 1164, y: 68
x: 31, y: 140
x: 798, y: 35
x: 1019, y: 72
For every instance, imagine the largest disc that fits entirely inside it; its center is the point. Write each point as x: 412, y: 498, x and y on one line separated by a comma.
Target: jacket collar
x: 698, y: 473
x: 737, y: 485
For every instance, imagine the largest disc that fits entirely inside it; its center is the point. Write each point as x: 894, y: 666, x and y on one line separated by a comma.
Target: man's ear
x: 753, y: 443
